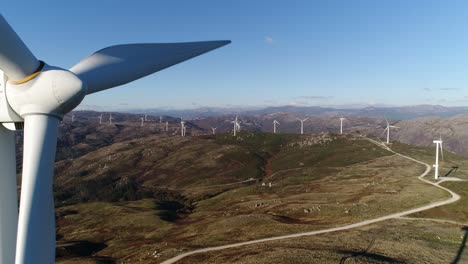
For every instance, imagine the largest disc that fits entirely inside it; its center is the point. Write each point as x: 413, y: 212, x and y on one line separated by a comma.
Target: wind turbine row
x: 40, y: 95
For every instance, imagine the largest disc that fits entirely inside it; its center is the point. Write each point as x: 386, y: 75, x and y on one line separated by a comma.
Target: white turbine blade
x: 16, y: 60
x: 305, y: 119
x: 385, y: 130
x: 387, y: 121
x: 117, y: 65
x: 36, y: 226
x: 441, y: 151
x: 8, y: 196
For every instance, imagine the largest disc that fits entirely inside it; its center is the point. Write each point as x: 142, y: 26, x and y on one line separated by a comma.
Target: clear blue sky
x: 283, y: 52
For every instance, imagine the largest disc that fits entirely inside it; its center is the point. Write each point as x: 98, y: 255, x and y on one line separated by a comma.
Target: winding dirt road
x: 455, y: 197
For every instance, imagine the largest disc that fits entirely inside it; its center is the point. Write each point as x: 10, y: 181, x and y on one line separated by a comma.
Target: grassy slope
x: 347, y: 178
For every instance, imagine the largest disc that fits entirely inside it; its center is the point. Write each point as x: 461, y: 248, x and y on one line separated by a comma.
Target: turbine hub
x: 53, y: 91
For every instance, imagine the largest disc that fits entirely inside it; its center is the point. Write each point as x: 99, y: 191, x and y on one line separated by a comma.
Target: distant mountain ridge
x: 400, y: 112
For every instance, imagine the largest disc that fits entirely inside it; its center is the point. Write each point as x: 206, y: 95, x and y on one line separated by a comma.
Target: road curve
x: 455, y: 197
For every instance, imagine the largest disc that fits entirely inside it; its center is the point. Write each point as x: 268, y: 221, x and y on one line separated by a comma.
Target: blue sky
x: 283, y: 52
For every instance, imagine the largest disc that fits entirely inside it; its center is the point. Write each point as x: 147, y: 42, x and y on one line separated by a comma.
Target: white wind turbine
x: 160, y: 119
x: 167, y: 126
x: 146, y: 117
x: 274, y: 126
x: 73, y: 118
x: 182, y: 128
x: 236, y: 126
x: 302, y: 124
x: 214, y: 130
x: 142, y: 120
x: 110, y: 118
x: 98, y: 117
x: 436, y: 165
x: 341, y: 124
x: 388, y: 130
x: 39, y: 95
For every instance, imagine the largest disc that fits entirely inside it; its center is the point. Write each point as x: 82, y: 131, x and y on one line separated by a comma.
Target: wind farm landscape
x: 156, y: 195
x: 239, y: 132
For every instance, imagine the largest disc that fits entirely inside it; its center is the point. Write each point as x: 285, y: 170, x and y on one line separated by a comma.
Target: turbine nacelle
x: 54, y: 91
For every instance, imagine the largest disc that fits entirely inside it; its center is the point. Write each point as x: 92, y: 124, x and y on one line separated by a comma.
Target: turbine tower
x: 341, y: 124
x: 73, y: 118
x: 274, y: 126
x: 142, y: 121
x: 436, y: 165
x: 214, y: 130
x: 146, y: 118
x: 110, y: 118
x: 160, y: 119
x: 167, y: 126
x: 388, y: 130
x: 38, y: 95
x: 302, y: 124
x: 100, y: 119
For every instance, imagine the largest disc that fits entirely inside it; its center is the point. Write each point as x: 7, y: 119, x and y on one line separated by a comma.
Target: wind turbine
x: 110, y: 118
x: 302, y: 124
x: 182, y: 128
x: 73, y: 118
x: 274, y: 126
x: 388, y: 130
x: 214, y: 130
x: 146, y: 117
x: 40, y: 95
x: 167, y: 126
x: 236, y: 126
x: 142, y: 121
x: 160, y: 119
x: 436, y: 165
x: 98, y: 117
x: 341, y: 124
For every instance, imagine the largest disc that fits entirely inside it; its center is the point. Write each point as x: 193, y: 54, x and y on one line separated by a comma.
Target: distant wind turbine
x: 274, y: 126
x: 142, y: 120
x: 182, y: 128
x: 341, y: 124
x: 110, y: 118
x: 388, y: 130
x: 436, y: 165
x: 302, y: 124
x: 73, y: 118
x: 160, y: 119
x: 100, y: 119
x: 236, y: 126
x: 167, y: 126
x: 214, y: 130
x: 146, y: 118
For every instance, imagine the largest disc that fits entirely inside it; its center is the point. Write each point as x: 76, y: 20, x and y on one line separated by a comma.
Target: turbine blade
x: 121, y: 64
x: 36, y: 226
x: 441, y: 151
x: 8, y: 196
x: 16, y: 60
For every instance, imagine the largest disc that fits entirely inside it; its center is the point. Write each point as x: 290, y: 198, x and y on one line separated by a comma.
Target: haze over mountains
x: 400, y: 112
x: 420, y: 125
